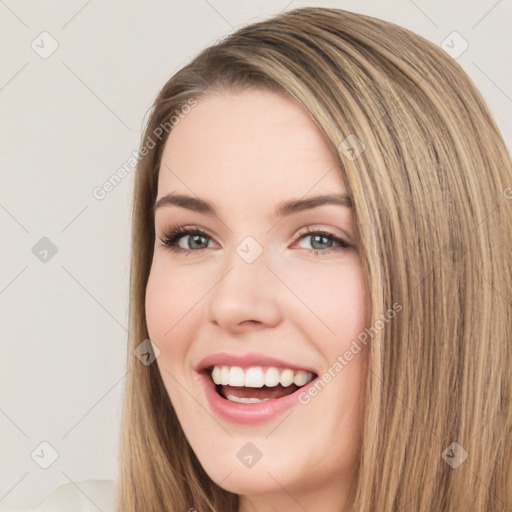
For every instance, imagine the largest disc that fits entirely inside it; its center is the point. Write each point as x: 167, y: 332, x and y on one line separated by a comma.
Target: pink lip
x: 244, y: 360
x: 248, y: 414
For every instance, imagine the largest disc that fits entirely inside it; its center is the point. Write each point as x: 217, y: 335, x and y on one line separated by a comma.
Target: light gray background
x: 68, y: 122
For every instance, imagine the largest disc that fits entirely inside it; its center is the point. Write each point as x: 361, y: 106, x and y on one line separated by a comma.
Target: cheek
x: 348, y: 305
x: 172, y: 315
x: 163, y: 312
x: 336, y: 297
x: 165, y: 305
x: 166, y: 302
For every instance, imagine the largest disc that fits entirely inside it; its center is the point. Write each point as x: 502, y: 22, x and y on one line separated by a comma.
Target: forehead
x: 255, y: 144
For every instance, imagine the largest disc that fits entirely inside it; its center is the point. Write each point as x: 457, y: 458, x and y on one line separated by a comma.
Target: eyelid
x: 322, y: 228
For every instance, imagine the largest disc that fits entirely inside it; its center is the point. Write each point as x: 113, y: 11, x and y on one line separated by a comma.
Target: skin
x: 245, y: 153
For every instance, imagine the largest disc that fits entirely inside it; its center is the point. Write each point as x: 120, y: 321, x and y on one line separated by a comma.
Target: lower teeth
x: 246, y: 400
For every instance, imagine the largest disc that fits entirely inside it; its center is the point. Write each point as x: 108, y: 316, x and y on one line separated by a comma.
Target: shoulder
x: 86, y: 496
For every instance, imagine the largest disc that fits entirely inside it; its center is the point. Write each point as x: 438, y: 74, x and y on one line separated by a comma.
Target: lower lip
x: 248, y: 414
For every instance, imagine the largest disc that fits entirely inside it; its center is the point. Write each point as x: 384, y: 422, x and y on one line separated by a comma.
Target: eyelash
x: 170, y: 238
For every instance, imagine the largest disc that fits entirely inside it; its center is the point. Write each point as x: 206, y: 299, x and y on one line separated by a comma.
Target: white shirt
x: 86, y: 496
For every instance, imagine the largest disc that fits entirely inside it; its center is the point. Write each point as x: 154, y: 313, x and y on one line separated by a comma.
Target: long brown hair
x: 431, y: 192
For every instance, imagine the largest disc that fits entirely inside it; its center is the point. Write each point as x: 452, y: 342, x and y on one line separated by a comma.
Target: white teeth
x: 287, y: 378
x: 255, y: 377
x: 272, y: 376
x: 301, y: 378
x: 236, y: 376
x: 216, y: 374
x: 224, y: 376
x: 234, y: 398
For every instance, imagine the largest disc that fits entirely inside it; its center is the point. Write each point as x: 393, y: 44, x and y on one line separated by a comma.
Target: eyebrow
x: 283, y: 209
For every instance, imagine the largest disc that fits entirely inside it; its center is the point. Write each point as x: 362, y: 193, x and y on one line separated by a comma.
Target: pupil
x: 323, y: 239
x: 195, y: 238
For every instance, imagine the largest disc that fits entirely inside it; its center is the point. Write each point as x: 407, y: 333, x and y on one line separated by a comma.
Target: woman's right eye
x: 186, y: 240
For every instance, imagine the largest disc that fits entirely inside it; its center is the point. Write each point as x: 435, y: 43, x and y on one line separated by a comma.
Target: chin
x: 255, y: 480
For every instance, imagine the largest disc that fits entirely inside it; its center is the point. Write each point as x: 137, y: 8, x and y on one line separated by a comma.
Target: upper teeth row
x: 256, y: 377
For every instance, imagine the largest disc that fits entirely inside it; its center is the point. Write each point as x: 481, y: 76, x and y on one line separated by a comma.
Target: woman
x: 322, y: 208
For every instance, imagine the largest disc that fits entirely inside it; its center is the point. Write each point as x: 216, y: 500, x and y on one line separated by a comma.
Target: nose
x: 245, y: 297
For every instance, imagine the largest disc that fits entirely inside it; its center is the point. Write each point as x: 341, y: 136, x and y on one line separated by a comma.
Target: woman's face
x: 253, y: 285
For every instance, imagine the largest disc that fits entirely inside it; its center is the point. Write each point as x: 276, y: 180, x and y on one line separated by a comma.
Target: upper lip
x: 246, y: 360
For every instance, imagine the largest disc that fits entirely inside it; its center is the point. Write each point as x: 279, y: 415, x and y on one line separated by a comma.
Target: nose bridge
x: 246, y: 291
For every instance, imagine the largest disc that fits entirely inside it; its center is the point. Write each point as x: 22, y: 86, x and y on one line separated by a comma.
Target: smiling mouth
x: 251, y: 394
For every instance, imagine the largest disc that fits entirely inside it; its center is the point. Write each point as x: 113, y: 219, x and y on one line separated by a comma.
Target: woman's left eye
x: 324, y: 242
x: 189, y: 240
